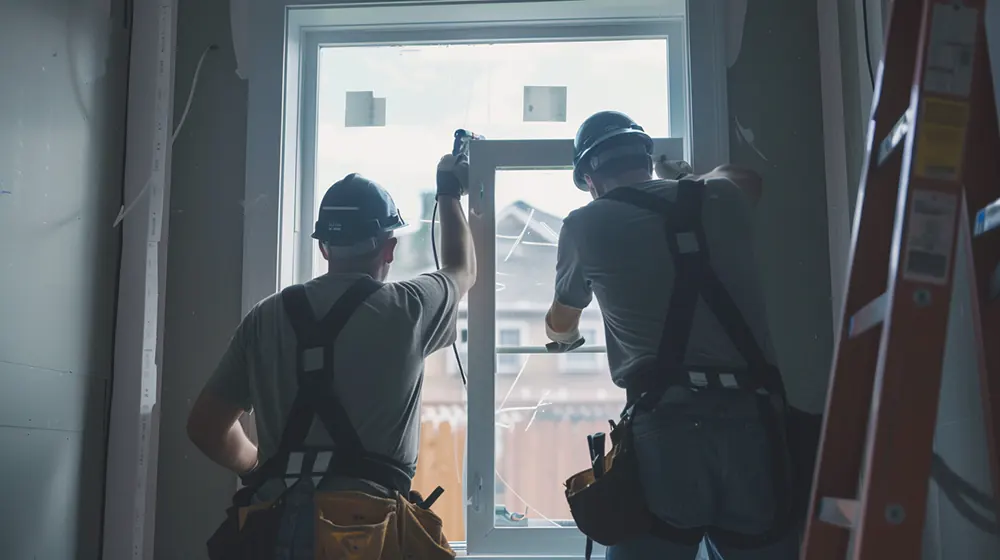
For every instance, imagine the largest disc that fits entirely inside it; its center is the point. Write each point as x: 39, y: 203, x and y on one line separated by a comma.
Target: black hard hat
x: 598, y: 129
x: 354, y: 214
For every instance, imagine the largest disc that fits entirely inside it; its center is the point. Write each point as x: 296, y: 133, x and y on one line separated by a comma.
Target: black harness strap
x: 316, y: 398
x: 696, y: 279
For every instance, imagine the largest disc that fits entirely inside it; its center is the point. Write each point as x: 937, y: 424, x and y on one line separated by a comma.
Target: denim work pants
x: 705, y: 460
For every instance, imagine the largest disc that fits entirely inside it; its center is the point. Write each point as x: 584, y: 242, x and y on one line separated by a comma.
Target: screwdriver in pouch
x: 597, y: 453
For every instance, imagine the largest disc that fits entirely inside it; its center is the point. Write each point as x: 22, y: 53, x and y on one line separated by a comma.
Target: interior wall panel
x: 62, y: 112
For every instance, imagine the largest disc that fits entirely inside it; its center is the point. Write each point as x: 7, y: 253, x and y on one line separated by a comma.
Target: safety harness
x: 269, y: 531
x: 316, y: 398
x: 695, y: 279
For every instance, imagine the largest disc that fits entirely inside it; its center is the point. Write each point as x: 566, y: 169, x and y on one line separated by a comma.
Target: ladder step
x: 988, y: 218
x: 895, y: 137
x: 838, y: 511
x: 868, y: 316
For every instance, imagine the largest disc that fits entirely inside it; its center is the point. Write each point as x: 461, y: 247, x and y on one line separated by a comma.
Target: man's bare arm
x: 213, y: 426
x: 458, y: 254
x: 747, y: 180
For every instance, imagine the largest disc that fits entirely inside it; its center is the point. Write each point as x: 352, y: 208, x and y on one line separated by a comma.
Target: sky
x: 430, y: 91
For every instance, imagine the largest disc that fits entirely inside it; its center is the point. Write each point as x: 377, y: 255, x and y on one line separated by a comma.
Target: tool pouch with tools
x: 331, y: 526
x: 611, y: 508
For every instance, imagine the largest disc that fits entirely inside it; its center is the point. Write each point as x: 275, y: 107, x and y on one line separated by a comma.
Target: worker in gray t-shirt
x: 704, y: 452
x: 377, y: 352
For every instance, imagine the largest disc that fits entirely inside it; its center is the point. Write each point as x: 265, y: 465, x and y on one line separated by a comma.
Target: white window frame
x: 482, y: 534
x: 565, y: 362
x: 280, y: 65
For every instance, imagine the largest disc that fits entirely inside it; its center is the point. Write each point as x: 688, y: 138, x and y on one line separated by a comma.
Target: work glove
x: 453, y: 176
x: 562, y: 342
x: 557, y: 347
x: 671, y: 170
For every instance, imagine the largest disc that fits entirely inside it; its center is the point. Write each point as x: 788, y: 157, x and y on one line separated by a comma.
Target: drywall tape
x: 151, y: 297
x: 157, y: 185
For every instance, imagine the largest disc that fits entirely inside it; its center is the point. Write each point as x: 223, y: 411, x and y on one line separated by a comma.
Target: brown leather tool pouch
x: 611, y: 508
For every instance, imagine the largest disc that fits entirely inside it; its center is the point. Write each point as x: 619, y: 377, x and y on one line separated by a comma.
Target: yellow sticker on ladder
x: 941, y: 131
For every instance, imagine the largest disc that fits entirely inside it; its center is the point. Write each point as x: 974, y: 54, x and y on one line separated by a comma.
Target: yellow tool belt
x: 359, y: 526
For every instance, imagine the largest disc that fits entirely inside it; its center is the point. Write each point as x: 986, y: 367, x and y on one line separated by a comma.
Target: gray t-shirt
x: 378, y: 361
x: 619, y: 253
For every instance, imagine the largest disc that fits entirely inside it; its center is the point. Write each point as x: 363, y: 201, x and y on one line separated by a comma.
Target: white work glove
x: 562, y: 342
x: 671, y: 170
x: 453, y: 176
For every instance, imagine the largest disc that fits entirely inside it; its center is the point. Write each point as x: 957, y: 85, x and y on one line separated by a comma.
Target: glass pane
x: 390, y: 112
x: 543, y: 416
x: 530, y: 207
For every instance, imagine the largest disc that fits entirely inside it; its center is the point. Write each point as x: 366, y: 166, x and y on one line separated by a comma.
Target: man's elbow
x: 464, y: 277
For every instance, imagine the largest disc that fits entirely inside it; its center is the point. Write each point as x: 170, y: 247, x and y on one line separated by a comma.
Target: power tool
x: 459, y: 148
x: 462, y: 140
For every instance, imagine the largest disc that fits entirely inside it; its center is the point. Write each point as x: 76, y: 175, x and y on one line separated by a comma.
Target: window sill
x: 598, y: 555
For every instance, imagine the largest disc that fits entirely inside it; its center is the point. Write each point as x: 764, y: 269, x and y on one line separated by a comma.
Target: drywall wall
x: 62, y: 115
x: 775, y: 113
x: 204, y: 272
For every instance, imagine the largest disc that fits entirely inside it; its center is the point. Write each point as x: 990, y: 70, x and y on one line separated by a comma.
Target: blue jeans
x: 705, y: 460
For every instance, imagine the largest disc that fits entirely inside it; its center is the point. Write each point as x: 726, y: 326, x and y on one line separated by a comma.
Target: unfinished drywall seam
x: 134, y: 431
x: 835, y: 150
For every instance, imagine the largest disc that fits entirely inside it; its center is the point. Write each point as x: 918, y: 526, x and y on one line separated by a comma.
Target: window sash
x: 482, y: 534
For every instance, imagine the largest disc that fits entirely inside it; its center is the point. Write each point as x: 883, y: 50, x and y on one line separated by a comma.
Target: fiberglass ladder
x: 932, y: 169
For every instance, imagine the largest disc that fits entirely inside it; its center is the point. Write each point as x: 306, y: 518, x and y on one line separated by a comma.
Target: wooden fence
x: 534, y: 460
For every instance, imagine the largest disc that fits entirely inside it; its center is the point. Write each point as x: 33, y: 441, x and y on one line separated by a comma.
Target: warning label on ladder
x: 949, y: 51
x: 941, y: 131
x: 930, y: 234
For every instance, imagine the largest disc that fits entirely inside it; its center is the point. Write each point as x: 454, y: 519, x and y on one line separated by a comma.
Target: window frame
x: 482, y: 535
x: 281, y: 124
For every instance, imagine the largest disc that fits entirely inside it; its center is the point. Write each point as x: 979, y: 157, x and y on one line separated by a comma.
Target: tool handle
x: 598, y: 454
